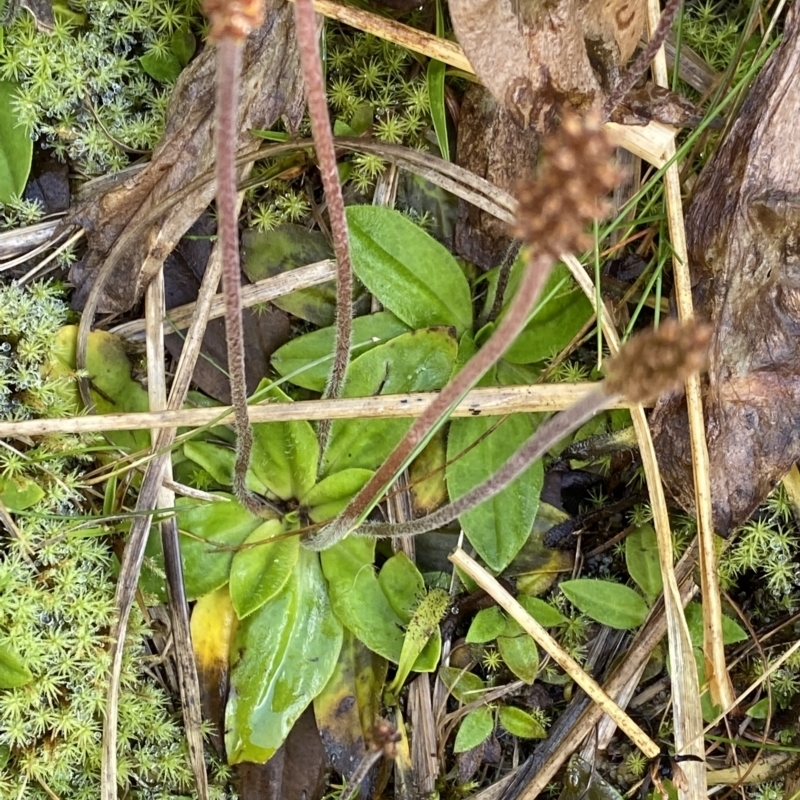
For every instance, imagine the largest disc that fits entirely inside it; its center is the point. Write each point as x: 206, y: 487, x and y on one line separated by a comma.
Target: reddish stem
x: 510, y: 327
x: 305, y: 20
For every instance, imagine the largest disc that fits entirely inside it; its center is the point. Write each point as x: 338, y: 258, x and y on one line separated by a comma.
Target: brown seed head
x: 576, y: 173
x: 233, y: 19
x: 658, y: 361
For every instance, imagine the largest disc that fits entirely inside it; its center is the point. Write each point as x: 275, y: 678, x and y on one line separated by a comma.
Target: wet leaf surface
x: 348, y: 706
x: 283, y: 656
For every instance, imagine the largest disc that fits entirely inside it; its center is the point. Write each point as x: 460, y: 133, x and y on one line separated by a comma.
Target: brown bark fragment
x: 271, y: 87
x: 743, y: 232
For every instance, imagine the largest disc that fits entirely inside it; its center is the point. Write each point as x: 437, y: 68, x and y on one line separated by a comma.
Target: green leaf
x: 609, y: 603
x: 498, y: 528
x: 519, y: 652
x: 543, y: 613
x: 641, y: 558
x: 161, y: 67
x: 216, y: 459
x: 423, y: 628
x: 464, y: 686
x: 332, y: 494
x: 436, y: 71
x: 18, y: 492
x: 283, y: 655
x: 376, y: 611
x: 759, y: 710
x: 487, y: 625
x: 13, y: 671
x: 475, y: 728
x: 519, y: 723
x: 732, y: 632
x: 260, y: 571
x: 560, y: 313
x: 286, y: 248
x: 205, y: 565
x: 296, y: 358
x: 16, y: 147
x: 411, y: 274
x: 183, y: 45
x: 419, y: 361
x: 114, y: 390
x: 285, y: 454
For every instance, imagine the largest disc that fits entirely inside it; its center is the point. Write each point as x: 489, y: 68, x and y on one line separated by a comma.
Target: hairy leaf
x: 13, y: 671
x: 475, y: 728
x: 375, y: 608
x: 261, y: 568
x: 16, y: 146
x: 519, y: 652
x: 296, y: 359
x: 325, y: 500
x: 498, y: 528
x: 285, y: 454
x: 487, y: 625
x: 641, y: 558
x: 519, y: 723
x: 206, y: 566
x: 420, y: 361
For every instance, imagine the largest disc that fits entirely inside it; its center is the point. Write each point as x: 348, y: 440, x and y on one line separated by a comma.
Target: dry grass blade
x: 148, y: 496
x: 686, y: 693
x: 261, y: 292
x: 564, y: 740
x: 716, y: 671
x: 495, y: 590
x: 645, y: 142
x: 491, y: 400
x: 178, y: 605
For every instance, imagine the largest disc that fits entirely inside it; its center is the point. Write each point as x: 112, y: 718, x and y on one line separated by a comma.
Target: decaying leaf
x: 265, y: 329
x: 534, y: 54
x: 271, y: 86
x: 743, y: 232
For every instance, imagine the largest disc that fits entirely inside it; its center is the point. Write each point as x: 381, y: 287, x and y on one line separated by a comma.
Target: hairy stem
x: 502, y: 282
x: 639, y: 67
x: 229, y: 59
x: 308, y: 44
x: 546, y: 435
x: 536, y: 272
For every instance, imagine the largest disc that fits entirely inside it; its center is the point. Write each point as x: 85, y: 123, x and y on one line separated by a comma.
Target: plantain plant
x: 274, y: 561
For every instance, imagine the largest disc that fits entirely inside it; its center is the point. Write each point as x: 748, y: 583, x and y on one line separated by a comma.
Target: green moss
x: 57, y: 588
x: 83, y: 88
